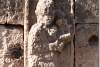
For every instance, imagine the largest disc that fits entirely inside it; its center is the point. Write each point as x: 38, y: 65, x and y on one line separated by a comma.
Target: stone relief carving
x: 47, y: 37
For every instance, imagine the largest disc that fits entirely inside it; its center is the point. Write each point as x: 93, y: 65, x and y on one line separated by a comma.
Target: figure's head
x: 44, y: 10
x: 44, y: 7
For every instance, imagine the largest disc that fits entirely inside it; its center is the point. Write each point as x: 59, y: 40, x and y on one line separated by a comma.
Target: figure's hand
x: 59, y: 44
x: 56, y: 47
x: 66, y: 38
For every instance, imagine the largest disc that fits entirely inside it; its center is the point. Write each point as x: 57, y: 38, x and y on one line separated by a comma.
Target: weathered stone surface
x: 86, y: 45
x: 32, y: 16
x: 11, y: 46
x: 11, y: 11
x: 87, y: 11
x: 49, y: 40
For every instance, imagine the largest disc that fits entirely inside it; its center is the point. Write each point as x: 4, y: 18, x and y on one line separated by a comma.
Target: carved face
x: 44, y: 7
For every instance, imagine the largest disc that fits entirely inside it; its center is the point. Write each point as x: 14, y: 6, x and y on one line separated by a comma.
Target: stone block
x: 87, y: 11
x: 11, y: 46
x: 86, y: 45
x: 11, y: 11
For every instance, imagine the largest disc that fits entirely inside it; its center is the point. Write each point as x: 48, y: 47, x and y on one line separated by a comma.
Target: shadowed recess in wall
x: 93, y: 40
x: 14, y: 52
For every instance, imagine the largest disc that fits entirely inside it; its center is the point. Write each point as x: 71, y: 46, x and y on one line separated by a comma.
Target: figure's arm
x: 59, y: 44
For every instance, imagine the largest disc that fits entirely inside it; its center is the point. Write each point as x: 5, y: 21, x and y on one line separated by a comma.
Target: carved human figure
x: 46, y: 38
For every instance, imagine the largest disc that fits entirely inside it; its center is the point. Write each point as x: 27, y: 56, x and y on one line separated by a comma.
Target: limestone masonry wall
x: 49, y: 33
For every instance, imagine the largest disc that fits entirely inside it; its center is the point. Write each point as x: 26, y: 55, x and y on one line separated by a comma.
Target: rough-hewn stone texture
x: 11, y: 46
x: 87, y: 11
x: 86, y: 45
x: 55, y: 34
x: 86, y: 38
x: 11, y: 11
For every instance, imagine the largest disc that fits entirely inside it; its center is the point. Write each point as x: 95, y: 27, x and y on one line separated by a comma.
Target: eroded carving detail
x: 47, y: 38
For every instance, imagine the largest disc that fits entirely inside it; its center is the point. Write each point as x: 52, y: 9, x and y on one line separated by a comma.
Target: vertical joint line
x: 74, y: 32
x: 74, y: 8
